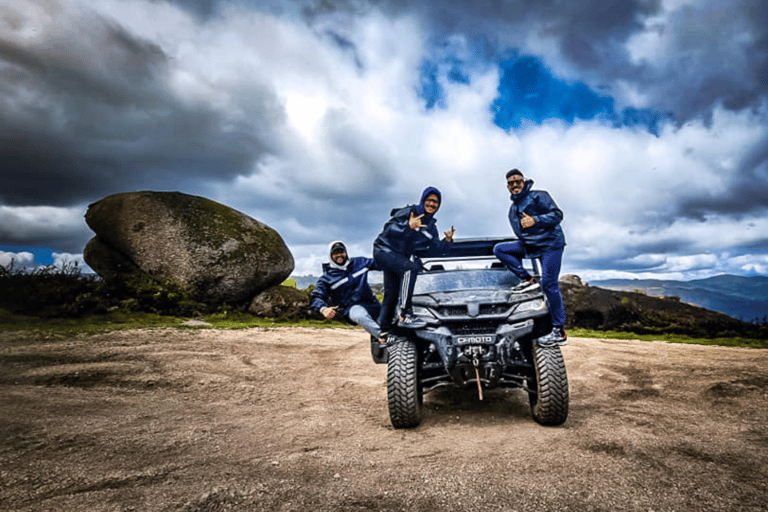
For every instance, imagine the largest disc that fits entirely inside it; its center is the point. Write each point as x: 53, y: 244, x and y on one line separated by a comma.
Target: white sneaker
x: 557, y: 336
x: 525, y: 286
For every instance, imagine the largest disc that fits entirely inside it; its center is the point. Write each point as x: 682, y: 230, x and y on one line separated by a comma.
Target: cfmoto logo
x: 474, y: 339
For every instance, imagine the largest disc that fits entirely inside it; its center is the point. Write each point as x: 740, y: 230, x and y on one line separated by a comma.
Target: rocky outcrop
x: 282, y: 302
x: 213, y: 252
x: 594, y: 308
x: 571, y: 279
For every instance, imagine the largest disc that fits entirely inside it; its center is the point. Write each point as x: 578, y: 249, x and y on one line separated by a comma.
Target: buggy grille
x: 485, y: 309
x: 452, y: 311
x: 474, y: 328
x: 494, y: 309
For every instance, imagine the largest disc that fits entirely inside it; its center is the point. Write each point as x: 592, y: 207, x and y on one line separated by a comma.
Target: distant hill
x: 302, y: 282
x: 745, y: 298
x: 597, y: 308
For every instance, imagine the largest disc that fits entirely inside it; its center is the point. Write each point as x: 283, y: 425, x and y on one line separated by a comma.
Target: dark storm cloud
x: 201, y: 8
x: 65, y: 235
x: 743, y: 193
x: 101, y: 119
x: 621, y: 263
x: 592, y: 33
x: 719, y: 55
x: 715, y: 53
x: 94, y: 59
x: 758, y: 246
x: 588, y: 30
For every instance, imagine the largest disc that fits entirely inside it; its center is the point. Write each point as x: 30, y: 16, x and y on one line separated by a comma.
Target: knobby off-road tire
x: 549, y: 404
x: 404, y: 391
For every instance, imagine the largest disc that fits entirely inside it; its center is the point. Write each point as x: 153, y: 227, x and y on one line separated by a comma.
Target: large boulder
x: 107, y: 262
x: 215, y: 253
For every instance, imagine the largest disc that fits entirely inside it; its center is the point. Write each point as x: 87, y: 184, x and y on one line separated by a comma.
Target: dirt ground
x: 295, y: 419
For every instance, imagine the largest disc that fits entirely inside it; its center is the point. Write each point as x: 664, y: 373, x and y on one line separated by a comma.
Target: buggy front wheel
x: 404, y: 391
x: 549, y: 387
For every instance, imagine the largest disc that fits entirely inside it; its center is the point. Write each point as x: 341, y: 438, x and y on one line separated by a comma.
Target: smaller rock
x: 196, y: 323
x: 281, y: 302
x: 571, y: 279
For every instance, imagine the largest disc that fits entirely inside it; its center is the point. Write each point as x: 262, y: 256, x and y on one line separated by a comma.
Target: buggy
x: 477, y: 334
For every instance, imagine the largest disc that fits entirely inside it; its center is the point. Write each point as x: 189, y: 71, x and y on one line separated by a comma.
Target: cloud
x: 685, y: 57
x: 44, y: 225
x: 90, y: 108
x: 71, y: 262
x: 646, y: 121
x: 16, y: 260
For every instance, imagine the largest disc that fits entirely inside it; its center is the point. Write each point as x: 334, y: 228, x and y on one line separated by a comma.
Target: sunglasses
x: 512, y: 183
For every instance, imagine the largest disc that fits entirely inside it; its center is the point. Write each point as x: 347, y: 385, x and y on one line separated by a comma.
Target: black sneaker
x: 556, y: 337
x: 525, y: 286
x: 379, y: 350
x: 411, y: 322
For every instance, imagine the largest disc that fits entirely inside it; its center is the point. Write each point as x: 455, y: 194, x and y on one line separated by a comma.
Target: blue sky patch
x: 43, y: 255
x: 528, y: 92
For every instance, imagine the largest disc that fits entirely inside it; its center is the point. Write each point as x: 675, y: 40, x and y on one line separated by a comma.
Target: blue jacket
x: 546, y: 234
x: 345, y: 287
x: 398, y: 237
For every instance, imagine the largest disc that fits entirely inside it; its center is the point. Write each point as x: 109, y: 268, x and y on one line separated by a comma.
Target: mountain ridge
x: 741, y: 297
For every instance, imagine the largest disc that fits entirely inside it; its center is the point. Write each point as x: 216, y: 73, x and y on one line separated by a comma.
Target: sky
x: 646, y: 121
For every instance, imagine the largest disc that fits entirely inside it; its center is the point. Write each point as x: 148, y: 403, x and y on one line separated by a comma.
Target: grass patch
x: 91, y: 324
x: 121, y: 320
x: 124, y: 320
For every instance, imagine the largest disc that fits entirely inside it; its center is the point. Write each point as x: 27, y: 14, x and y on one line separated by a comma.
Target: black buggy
x: 478, y: 334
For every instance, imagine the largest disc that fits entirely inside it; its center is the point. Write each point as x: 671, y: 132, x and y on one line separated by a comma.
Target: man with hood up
x: 535, y: 219
x: 409, y: 229
x: 343, y: 292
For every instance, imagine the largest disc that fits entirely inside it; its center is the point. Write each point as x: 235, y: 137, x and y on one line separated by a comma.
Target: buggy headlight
x: 531, y: 305
x: 422, y: 311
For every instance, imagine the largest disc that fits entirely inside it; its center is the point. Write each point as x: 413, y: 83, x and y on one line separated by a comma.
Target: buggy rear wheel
x: 548, y: 393
x: 404, y: 390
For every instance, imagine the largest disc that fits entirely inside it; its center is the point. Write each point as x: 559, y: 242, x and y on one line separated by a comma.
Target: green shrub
x: 139, y: 292
x: 49, y: 291
x: 63, y: 292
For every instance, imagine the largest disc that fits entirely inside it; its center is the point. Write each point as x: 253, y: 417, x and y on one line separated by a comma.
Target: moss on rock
x: 212, y: 251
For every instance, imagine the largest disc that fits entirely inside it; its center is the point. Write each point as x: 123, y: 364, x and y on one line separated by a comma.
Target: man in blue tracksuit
x: 343, y: 292
x: 409, y: 229
x: 535, y: 219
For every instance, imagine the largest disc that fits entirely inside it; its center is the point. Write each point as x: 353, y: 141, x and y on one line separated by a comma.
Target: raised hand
x: 415, y: 221
x: 449, y: 234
